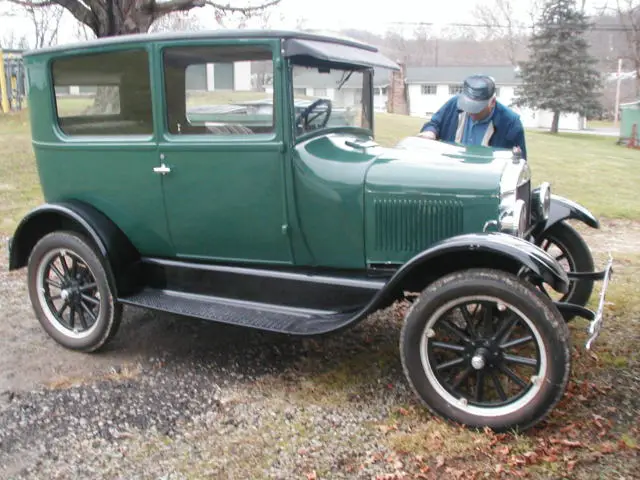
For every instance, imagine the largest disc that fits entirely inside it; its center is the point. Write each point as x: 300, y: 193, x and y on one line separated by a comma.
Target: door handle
x: 162, y: 169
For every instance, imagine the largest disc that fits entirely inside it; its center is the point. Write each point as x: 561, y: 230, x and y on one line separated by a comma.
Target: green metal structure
x: 630, y: 123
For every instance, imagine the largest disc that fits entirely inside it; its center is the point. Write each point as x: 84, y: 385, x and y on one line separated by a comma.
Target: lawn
x: 594, y: 428
x: 589, y: 169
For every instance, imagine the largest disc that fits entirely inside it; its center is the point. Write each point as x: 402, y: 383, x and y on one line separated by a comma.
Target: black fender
x: 475, y: 250
x: 562, y: 208
x: 119, y: 256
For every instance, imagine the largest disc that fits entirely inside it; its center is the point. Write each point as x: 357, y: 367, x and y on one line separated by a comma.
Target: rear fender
x: 478, y: 250
x: 118, y: 254
x: 562, y: 209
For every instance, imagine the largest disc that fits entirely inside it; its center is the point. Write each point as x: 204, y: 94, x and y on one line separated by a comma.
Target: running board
x: 260, y: 316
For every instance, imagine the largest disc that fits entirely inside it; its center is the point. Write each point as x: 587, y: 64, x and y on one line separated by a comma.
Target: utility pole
x: 615, y: 117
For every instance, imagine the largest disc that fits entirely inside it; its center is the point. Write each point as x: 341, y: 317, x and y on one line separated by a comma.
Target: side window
x: 219, y: 90
x: 103, y: 93
x: 429, y: 89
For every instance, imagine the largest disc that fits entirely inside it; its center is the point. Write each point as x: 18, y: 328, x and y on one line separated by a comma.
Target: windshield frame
x: 367, y: 100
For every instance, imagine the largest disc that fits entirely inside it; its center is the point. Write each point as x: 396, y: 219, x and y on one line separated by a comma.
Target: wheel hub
x: 478, y: 362
x: 479, y: 359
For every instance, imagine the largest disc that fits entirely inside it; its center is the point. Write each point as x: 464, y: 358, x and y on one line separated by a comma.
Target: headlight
x: 514, y: 221
x: 543, y: 201
x: 513, y: 211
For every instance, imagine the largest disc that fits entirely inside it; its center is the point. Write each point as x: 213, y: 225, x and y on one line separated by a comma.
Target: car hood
x: 440, y: 168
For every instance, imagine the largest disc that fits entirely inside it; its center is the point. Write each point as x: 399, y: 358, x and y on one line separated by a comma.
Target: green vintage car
x: 172, y: 184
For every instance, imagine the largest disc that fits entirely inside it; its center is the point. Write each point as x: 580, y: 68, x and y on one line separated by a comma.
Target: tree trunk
x: 555, y: 122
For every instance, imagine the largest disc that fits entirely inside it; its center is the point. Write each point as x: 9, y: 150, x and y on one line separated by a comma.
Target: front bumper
x: 596, y: 318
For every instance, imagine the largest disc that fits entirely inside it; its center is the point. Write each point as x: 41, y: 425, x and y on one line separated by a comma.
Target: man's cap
x: 477, y: 91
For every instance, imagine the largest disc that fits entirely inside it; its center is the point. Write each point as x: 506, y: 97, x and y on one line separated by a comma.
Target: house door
x: 224, y: 188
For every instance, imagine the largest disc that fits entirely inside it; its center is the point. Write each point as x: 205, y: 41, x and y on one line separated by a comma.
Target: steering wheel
x: 303, y: 121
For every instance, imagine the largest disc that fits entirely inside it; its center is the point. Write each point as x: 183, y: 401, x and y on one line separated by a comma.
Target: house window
x: 211, y: 90
x: 429, y: 89
x: 455, y: 89
x: 320, y: 92
x: 113, y: 93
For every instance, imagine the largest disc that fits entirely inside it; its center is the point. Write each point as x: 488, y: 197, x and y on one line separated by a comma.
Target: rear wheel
x: 485, y: 348
x: 70, y: 292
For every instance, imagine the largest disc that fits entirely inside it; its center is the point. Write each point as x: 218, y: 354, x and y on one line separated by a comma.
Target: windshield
x: 327, y: 99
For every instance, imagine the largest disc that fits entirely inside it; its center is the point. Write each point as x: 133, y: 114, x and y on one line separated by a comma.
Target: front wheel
x: 566, y: 245
x: 70, y: 292
x: 484, y: 348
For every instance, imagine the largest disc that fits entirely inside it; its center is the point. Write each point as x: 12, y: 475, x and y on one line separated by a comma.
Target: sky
x: 326, y: 15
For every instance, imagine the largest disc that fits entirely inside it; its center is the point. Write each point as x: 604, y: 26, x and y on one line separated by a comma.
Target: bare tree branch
x: 117, y: 17
x: 162, y: 8
x: 244, y: 10
x: 498, y: 17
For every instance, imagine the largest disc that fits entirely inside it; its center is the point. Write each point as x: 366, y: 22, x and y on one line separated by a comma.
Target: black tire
x: 578, y: 258
x: 79, y: 289
x: 421, y: 338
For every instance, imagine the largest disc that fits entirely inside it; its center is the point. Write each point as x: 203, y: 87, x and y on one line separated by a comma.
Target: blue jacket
x: 508, y: 129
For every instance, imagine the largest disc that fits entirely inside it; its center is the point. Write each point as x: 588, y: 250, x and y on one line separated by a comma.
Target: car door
x: 104, y: 134
x: 223, y: 152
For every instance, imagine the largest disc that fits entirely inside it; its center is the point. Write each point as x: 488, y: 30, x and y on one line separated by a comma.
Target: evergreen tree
x: 559, y: 75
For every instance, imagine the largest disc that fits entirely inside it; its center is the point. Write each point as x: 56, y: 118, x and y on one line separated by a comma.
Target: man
x: 475, y: 117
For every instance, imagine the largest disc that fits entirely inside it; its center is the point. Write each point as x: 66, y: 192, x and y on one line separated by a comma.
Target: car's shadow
x: 184, y: 342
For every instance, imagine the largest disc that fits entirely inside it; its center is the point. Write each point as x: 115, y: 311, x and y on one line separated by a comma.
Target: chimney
x: 397, y: 101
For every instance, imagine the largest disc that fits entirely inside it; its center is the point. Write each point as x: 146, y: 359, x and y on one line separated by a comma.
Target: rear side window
x: 103, y: 93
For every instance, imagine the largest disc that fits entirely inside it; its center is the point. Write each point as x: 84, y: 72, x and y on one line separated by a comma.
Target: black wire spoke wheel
x: 69, y: 290
x: 485, y: 348
x: 483, y: 353
x: 560, y: 253
x: 565, y: 244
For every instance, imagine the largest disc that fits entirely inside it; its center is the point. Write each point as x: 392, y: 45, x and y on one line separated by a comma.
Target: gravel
x: 175, y: 398
x: 191, y: 418
x: 180, y: 398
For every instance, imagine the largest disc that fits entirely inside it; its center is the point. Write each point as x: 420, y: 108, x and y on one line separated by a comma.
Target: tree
x: 45, y: 24
x: 176, y: 21
x: 108, y: 18
x: 500, y: 21
x: 629, y: 14
x: 559, y: 75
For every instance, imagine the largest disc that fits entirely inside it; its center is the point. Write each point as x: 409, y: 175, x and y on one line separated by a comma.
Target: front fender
x: 110, y: 243
x: 476, y: 250
x: 562, y: 208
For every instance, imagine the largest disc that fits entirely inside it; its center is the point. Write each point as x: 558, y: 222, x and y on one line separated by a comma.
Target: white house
x: 219, y: 76
x: 320, y: 85
x: 428, y: 88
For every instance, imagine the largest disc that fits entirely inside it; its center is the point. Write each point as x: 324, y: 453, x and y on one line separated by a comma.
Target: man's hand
x: 430, y: 134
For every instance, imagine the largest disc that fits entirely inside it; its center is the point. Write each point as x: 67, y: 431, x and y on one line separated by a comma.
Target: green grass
x: 589, y: 169
x: 19, y: 186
